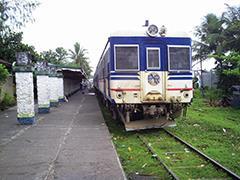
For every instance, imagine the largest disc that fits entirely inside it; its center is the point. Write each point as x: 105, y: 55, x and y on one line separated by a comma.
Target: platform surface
x: 71, y: 142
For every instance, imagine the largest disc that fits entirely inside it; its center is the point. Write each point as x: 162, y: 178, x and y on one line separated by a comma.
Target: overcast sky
x: 61, y: 23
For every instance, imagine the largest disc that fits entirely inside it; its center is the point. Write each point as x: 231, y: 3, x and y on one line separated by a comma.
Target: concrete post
x: 24, y: 89
x: 42, y: 88
x: 53, y: 86
x: 60, y: 87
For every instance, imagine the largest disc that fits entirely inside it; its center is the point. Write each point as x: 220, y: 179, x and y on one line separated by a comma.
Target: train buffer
x: 71, y: 142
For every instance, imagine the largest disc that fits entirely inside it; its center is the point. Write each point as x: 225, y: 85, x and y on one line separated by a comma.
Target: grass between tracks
x: 213, y: 130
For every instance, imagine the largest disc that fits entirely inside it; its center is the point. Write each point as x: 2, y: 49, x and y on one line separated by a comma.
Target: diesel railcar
x: 146, y: 79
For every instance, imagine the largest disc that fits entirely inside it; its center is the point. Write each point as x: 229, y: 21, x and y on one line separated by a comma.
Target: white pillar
x: 60, y: 89
x: 43, y: 93
x: 53, y: 86
x: 25, y: 97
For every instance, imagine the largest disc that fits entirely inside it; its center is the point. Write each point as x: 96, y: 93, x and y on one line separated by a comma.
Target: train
x: 145, y: 78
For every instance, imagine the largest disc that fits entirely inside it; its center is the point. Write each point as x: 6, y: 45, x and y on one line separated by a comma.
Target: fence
x: 210, y: 79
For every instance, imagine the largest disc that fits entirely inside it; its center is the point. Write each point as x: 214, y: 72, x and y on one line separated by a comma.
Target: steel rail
x: 150, y: 149
x: 229, y: 172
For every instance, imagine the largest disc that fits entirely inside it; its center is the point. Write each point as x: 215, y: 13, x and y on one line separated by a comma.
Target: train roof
x: 142, y: 33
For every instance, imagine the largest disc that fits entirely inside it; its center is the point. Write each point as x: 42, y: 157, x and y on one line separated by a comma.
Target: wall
x: 71, y: 86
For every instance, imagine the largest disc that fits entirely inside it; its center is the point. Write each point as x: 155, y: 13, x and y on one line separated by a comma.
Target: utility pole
x: 201, y: 79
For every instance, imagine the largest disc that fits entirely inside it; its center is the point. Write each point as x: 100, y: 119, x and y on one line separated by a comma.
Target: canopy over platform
x: 73, y: 73
x: 73, y: 78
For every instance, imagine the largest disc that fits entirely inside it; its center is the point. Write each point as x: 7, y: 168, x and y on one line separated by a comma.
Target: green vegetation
x: 57, y: 56
x: 134, y: 158
x: 70, y: 58
x: 219, y: 38
x: 213, y: 97
x: 184, y: 163
x: 7, y: 101
x: 213, y: 130
x: 80, y: 58
x: 3, y: 74
x: 14, y: 14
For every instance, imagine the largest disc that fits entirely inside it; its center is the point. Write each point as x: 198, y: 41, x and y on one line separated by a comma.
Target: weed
x: 7, y: 101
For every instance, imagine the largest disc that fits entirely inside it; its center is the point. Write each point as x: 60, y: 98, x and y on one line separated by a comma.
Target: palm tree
x: 231, y: 21
x: 210, y: 35
x: 79, y: 56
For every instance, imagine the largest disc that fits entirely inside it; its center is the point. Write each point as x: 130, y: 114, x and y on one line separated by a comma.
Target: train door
x: 152, y: 78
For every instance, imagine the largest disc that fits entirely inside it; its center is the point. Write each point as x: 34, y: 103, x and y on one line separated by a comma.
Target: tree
x: 230, y: 71
x: 78, y: 54
x: 79, y: 57
x: 10, y: 43
x: 3, y: 74
x: 210, y: 33
x: 50, y: 56
x: 57, y: 56
x: 16, y: 13
x: 210, y: 41
x: 61, y: 54
x: 231, y: 22
x: 219, y: 36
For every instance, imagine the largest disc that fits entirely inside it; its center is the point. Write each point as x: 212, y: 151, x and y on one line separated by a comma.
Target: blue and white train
x: 146, y: 80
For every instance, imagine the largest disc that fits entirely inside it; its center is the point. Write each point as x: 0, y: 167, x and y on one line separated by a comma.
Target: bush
x: 214, y: 96
x: 3, y: 73
x: 7, y: 101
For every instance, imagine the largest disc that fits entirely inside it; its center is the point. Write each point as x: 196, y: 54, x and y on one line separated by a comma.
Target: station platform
x: 71, y: 142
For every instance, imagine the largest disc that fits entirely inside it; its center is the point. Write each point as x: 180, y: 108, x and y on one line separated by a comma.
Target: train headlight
x: 185, y: 94
x: 119, y: 95
x: 152, y: 30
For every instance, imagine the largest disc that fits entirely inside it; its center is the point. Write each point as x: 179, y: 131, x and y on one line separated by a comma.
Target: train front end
x: 150, y: 79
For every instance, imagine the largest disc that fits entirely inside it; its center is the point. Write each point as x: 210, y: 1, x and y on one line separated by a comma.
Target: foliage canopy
x: 13, y: 15
x: 78, y: 54
x: 219, y: 38
x: 3, y: 73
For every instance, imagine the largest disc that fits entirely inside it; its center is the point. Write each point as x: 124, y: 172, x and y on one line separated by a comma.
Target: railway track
x: 206, y: 162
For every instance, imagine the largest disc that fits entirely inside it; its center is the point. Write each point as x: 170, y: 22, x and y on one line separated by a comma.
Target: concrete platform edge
x: 115, y: 151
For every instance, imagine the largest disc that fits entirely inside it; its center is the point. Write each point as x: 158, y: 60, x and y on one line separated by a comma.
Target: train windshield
x: 153, y: 58
x: 179, y: 58
x: 126, y: 57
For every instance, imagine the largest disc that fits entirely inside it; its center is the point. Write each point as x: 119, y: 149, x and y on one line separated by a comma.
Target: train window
x: 106, y: 57
x: 153, y: 58
x: 126, y: 57
x: 179, y: 58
